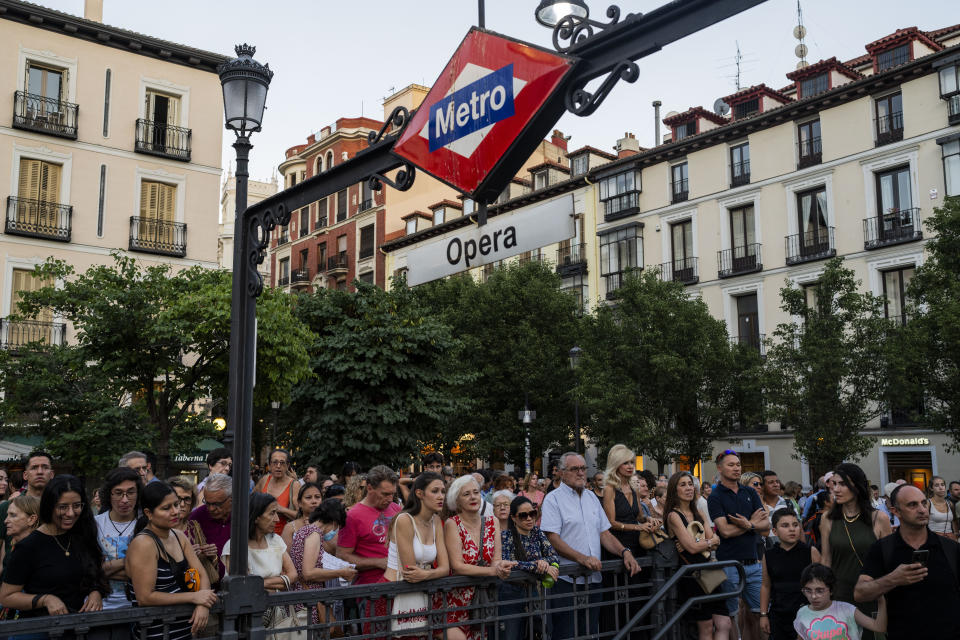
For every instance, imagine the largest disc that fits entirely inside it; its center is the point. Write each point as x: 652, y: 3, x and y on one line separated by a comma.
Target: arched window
x: 319, y: 166
x: 329, y: 160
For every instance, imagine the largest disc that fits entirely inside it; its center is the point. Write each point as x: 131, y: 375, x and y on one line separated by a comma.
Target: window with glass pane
x: 366, y: 277
x: 748, y: 320
x: 678, y: 175
x: 540, y: 180
x: 45, y: 82
x: 740, y: 162
x: 895, y: 285
x: 744, y: 109
x: 951, y: 167
x: 810, y: 294
x: 411, y: 226
x: 619, y: 251
x: 439, y: 216
x: 893, y: 190
x: 893, y: 58
x: 304, y: 256
x: 304, y: 221
x: 889, y: 114
x: 285, y: 270
x: 341, y: 205
x: 812, y: 212
x: 322, y: 212
x: 685, y: 130
x: 322, y: 256
x: 366, y: 241
x: 809, y: 136
x: 813, y: 86
x: 742, y: 232
x: 579, y: 164
x: 949, y: 80
x: 469, y: 206
x: 681, y: 242
x: 366, y: 194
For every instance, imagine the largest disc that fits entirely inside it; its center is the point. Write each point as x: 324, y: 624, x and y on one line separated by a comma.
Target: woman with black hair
x: 307, y: 550
x: 115, y: 524
x: 849, y: 530
x: 157, y: 562
x: 58, y: 568
x: 525, y: 543
x: 308, y: 499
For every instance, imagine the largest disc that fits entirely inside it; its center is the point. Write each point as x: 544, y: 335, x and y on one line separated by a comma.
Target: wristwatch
x: 763, y: 614
x: 623, y: 551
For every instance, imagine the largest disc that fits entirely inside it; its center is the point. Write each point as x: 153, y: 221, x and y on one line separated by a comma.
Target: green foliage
x: 657, y: 371
x: 516, y: 331
x: 150, y: 344
x: 382, y: 379
x: 825, y: 372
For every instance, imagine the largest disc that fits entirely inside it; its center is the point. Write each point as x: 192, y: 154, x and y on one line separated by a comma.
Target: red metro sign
x: 487, y: 94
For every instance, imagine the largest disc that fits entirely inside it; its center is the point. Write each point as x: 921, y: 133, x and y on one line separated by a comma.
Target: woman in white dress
x: 941, y: 511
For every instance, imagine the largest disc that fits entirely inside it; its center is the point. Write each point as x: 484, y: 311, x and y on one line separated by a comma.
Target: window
x: 685, y: 130
x: 743, y: 255
x: 579, y: 164
x: 284, y: 272
x: 42, y: 105
x: 366, y: 277
x: 746, y: 109
x: 42, y: 328
x: 895, y: 285
x: 951, y: 167
x: 620, y: 251
x: 814, y: 237
x: 540, y: 179
x: 411, y: 225
x: 46, y: 82
x: 329, y: 162
x: 341, y: 205
x: 893, y: 190
x: 575, y: 286
x: 366, y: 193
x: 157, y: 201
x: 896, y: 219
x: 304, y: 221
x: 889, y: 118
x: 814, y: 85
x: 893, y: 58
x: 342, y: 284
x: 748, y: 322
x: 810, y: 294
x: 683, y: 267
x: 39, y: 181
x: 950, y: 81
x: 322, y: 213
x: 106, y: 103
x: 808, y: 136
x: 36, y: 210
x: 159, y: 131
x: 366, y: 242
x: 439, y: 215
x: 679, y: 185
x: 739, y: 164
x: 619, y: 195
x: 342, y: 244
x: 322, y: 256
x: 469, y: 206
x: 293, y: 179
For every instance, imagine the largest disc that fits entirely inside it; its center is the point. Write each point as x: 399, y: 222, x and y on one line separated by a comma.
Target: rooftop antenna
x: 799, y: 32
x: 737, y: 60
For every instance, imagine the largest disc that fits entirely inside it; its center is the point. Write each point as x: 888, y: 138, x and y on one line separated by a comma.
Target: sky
x: 336, y: 58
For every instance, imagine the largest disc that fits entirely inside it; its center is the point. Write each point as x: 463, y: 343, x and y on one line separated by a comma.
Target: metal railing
x: 38, y: 219
x: 162, y: 139
x: 679, y: 190
x: 809, y: 246
x: 341, y: 215
x: 621, y: 206
x: 150, y: 235
x: 532, y: 257
x: 755, y: 341
x: 892, y: 227
x: 44, y: 115
x: 283, y: 281
x: 17, y: 334
x: 572, y: 258
x: 740, y: 173
x: 284, y: 236
x: 810, y: 152
x: 744, y: 259
x: 889, y: 128
x: 680, y: 270
x: 321, y: 222
x: 338, y: 262
x: 300, y: 276
x: 366, y: 204
x: 619, y: 606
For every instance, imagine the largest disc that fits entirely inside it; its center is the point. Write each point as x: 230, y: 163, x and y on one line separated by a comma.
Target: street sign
x: 506, y: 235
x: 484, y: 99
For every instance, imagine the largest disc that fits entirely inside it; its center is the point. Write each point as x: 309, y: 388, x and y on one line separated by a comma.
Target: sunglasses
x: 527, y: 515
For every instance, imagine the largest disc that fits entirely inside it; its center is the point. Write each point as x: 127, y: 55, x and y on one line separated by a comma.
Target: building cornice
x: 40, y: 17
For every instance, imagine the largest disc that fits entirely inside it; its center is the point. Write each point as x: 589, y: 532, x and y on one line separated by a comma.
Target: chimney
x: 627, y: 146
x: 559, y: 139
x: 656, y: 121
x: 93, y: 10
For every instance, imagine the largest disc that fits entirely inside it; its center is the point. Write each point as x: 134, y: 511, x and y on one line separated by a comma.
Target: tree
x: 657, y: 372
x: 824, y: 372
x: 383, y: 378
x: 932, y: 335
x: 517, y: 329
x: 154, y: 343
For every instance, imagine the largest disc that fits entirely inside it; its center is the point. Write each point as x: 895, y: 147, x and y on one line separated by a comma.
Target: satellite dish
x: 670, y: 114
x: 802, y: 64
x: 720, y: 107
x: 799, y: 32
x: 801, y: 50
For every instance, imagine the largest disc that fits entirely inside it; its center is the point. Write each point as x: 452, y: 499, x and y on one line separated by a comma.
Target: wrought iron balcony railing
x: 810, y: 246
x: 740, y: 173
x: 366, y: 204
x: 284, y: 236
x: 680, y: 270
x: 44, y: 115
x: 321, y: 222
x: 162, y: 139
x: 572, y: 259
x: 893, y: 227
x: 532, y: 257
x: 300, y: 276
x: 755, y: 341
x: 810, y: 152
x: 17, y: 334
x: 621, y: 206
x: 744, y: 259
x: 149, y: 235
x: 953, y: 109
x: 38, y: 219
x: 889, y: 128
x: 338, y: 263
x: 679, y: 190
x: 283, y: 281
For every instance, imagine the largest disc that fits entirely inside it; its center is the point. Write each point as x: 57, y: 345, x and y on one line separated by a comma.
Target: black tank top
x: 784, y: 569
x: 626, y: 513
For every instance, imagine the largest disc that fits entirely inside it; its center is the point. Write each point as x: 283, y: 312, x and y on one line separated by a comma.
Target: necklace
x: 853, y: 519
x: 66, y: 550
x: 120, y: 532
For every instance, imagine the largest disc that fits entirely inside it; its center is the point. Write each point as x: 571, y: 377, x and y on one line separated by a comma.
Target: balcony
x: 321, y: 222
x: 38, y: 219
x: 889, y: 128
x: 283, y: 280
x: 893, y: 227
x: 338, y: 264
x: 739, y: 260
x: 300, y: 276
x: 810, y: 152
x: 754, y: 342
x: 683, y: 270
x: 953, y: 109
x: 44, y: 115
x: 341, y: 216
x: 621, y: 206
x: 162, y: 139
x: 613, y: 282
x: 284, y: 237
x: 17, y: 334
x: 679, y: 190
x: 366, y: 204
x: 740, y: 174
x: 531, y: 257
x: 149, y: 235
x: 572, y: 260
x: 810, y: 246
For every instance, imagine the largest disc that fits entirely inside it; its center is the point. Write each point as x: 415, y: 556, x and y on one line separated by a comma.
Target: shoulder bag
x: 708, y: 579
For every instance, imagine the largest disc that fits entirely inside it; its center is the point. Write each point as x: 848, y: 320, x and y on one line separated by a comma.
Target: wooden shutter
x: 29, y: 179
x: 24, y: 280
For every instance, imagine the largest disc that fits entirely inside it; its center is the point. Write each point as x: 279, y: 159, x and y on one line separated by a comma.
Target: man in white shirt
x: 577, y: 527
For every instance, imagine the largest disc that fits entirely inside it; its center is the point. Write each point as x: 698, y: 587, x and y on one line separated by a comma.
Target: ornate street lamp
x: 550, y: 12
x: 575, y: 354
x: 245, y: 82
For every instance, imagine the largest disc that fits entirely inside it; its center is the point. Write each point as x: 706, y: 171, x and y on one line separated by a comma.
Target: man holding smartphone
x: 914, y: 568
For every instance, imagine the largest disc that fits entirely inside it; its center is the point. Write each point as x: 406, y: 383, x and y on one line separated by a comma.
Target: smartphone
x: 920, y: 556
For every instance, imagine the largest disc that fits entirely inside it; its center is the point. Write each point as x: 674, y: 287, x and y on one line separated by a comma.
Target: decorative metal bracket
x: 404, y: 181
x: 572, y: 30
x: 259, y: 227
x: 399, y: 118
x: 581, y: 102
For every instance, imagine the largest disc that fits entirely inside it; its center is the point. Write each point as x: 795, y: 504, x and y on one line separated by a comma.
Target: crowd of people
x: 842, y: 559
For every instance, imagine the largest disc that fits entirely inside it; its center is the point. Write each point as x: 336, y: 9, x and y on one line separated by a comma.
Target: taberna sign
x: 505, y: 236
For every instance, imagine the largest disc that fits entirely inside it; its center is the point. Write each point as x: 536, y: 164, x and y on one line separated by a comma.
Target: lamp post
x: 245, y: 82
x: 575, y: 354
x: 550, y: 12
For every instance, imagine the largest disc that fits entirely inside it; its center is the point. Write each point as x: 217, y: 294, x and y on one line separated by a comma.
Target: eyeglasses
x: 217, y: 505
x: 819, y: 591
x: 76, y: 507
x: 130, y: 494
x: 527, y: 515
x: 278, y: 463
x: 580, y: 469
x: 501, y: 505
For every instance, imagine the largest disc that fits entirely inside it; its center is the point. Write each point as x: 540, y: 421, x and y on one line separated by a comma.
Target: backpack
x: 949, y: 550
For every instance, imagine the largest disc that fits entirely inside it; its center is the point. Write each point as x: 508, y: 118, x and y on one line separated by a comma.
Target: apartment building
x: 111, y: 140
x: 257, y: 190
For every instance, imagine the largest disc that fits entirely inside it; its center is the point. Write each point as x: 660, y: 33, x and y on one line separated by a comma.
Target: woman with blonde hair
x: 23, y: 516
x: 355, y: 491
x: 530, y: 488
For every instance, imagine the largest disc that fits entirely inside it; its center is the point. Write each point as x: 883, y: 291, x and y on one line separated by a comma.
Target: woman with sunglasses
x: 527, y: 545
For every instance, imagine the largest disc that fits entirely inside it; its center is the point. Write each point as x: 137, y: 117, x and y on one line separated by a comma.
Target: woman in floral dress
x: 307, y: 555
x: 467, y: 558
